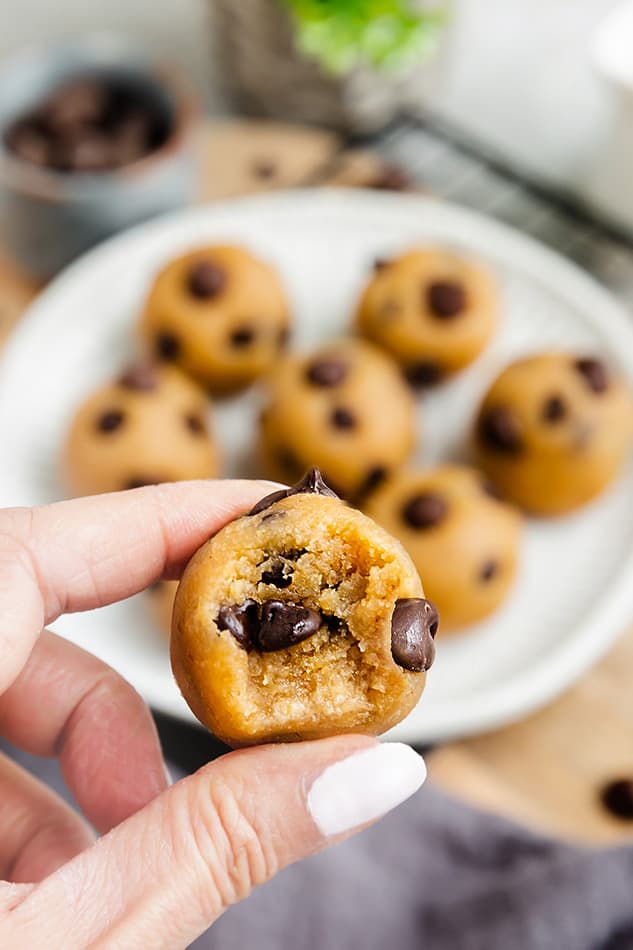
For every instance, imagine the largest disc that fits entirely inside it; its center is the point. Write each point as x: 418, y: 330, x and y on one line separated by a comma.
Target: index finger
x: 79, y: 554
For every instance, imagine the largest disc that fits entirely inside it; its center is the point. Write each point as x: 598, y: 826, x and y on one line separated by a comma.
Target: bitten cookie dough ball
x: 159, y: 599
x: 463, y: 541
x: 221, y: 314
x: 301, y: 620
x: 554, y: 430
x: 345, y: 409
x: 433, y: 311
x: 149, y: 426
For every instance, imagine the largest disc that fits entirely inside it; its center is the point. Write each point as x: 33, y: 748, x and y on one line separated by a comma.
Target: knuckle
x: 232, y: 849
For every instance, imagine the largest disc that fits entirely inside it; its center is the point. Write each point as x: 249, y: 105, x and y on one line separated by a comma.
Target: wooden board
x: 546, y: 770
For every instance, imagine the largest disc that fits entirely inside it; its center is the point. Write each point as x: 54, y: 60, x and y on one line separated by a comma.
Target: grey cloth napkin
x: 433, y: 875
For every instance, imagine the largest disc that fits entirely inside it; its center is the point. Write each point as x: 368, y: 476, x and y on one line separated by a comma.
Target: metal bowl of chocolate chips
x: 94, y: 137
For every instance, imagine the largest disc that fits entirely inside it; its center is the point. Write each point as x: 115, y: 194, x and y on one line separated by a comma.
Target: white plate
x: 575, y: 591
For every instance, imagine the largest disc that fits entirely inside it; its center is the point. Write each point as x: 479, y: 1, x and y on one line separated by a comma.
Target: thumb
x: 165, y: 874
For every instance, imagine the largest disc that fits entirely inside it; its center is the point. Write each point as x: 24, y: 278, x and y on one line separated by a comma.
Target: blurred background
x: 522, y: 112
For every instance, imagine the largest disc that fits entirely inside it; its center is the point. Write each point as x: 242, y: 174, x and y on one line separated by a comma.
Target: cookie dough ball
x: 554, y: 430
x: 159, y: 599
x: 151, y: 425
x: 344, y: 408
x: 433, y: 311
x: 221, y: 314
x: 301, y: 620
x: 463, y: 541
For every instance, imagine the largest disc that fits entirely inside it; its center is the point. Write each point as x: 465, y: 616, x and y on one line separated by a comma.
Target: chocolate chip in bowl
x: 94, y: 137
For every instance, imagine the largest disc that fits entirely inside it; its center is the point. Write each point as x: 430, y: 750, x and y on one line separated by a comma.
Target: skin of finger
x: 38, y: 831
x: 66, y: 702
x: 201, y: 846
x: 79, y: 554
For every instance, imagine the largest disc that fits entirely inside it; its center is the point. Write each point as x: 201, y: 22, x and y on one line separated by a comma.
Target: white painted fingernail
x: 364, y: 786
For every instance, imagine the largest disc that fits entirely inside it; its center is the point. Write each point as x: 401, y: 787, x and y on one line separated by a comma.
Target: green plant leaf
x: 382, y: 34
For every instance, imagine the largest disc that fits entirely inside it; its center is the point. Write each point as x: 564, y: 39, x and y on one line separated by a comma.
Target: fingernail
x: 364, y: 786
x: 168, y: 776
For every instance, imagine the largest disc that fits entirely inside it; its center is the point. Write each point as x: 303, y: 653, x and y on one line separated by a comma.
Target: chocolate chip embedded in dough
x: 206, y: 280
x: 425, y: 510
x: 414, y: 624
x: 617, y: 798
x: 140, y: 376
x: 111, y: 420
x: 242, y: 336
x: 311, y: 483
x: 240, y: 620
x: 279, y: 574
x: 501, y: 430
x: 168, y: 346
x: 327, y: 371
x: 595, y: 373
x: 342, y: 418
x: 445, y: 298
x: 195, y: 424
x: 489, y: 571
x: 140, y: 481
x: 424, y: 373
x: 283, y: 624
x: 554, y: 409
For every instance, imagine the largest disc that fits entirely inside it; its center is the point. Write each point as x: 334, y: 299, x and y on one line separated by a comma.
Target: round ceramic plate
x: 575, y: 590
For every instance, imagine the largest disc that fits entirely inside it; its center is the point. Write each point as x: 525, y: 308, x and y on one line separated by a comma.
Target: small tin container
x: 49, y: 217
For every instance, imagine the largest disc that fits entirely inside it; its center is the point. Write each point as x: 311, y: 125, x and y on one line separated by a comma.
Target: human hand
x: 171, y: 859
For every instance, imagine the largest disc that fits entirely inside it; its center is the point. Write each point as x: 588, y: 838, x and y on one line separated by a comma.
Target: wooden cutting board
x: 548, y: 769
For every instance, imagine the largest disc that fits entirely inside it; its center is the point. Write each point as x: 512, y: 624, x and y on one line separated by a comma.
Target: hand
x: 171, y: 859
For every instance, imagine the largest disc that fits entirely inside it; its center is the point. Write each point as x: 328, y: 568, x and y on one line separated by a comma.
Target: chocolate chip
x: 595, y: 373
x: 375, y: 477
x: 380, y: 263
x: 283, y: 337
x: 79, y: 102
x: 554, y: 409
x: 335, y: 625
x: 87, y: 151
x: 264, y: 169
x: 140, y: 481
x: 279, y: 575
x: 140, y: 376
x: 617, y: 797
x: 391, y: 178
x: 312, y: 483
x: 490, y: 489
x: 167, y: 346
x: 424, y: 373
x: 284, y: 624
x: 241, y: 622
x: 293, y: 554
x: 414, y: 623
x: 327, y: 372
x: 195, y: 424
x: 489, y: 571
x: 342, y: 418
x: 206, y: 280
x: 243, y: 336
x: 110, y: 420
x: 426, y: 510
x: 501, y: 430
x: 445, y: 298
